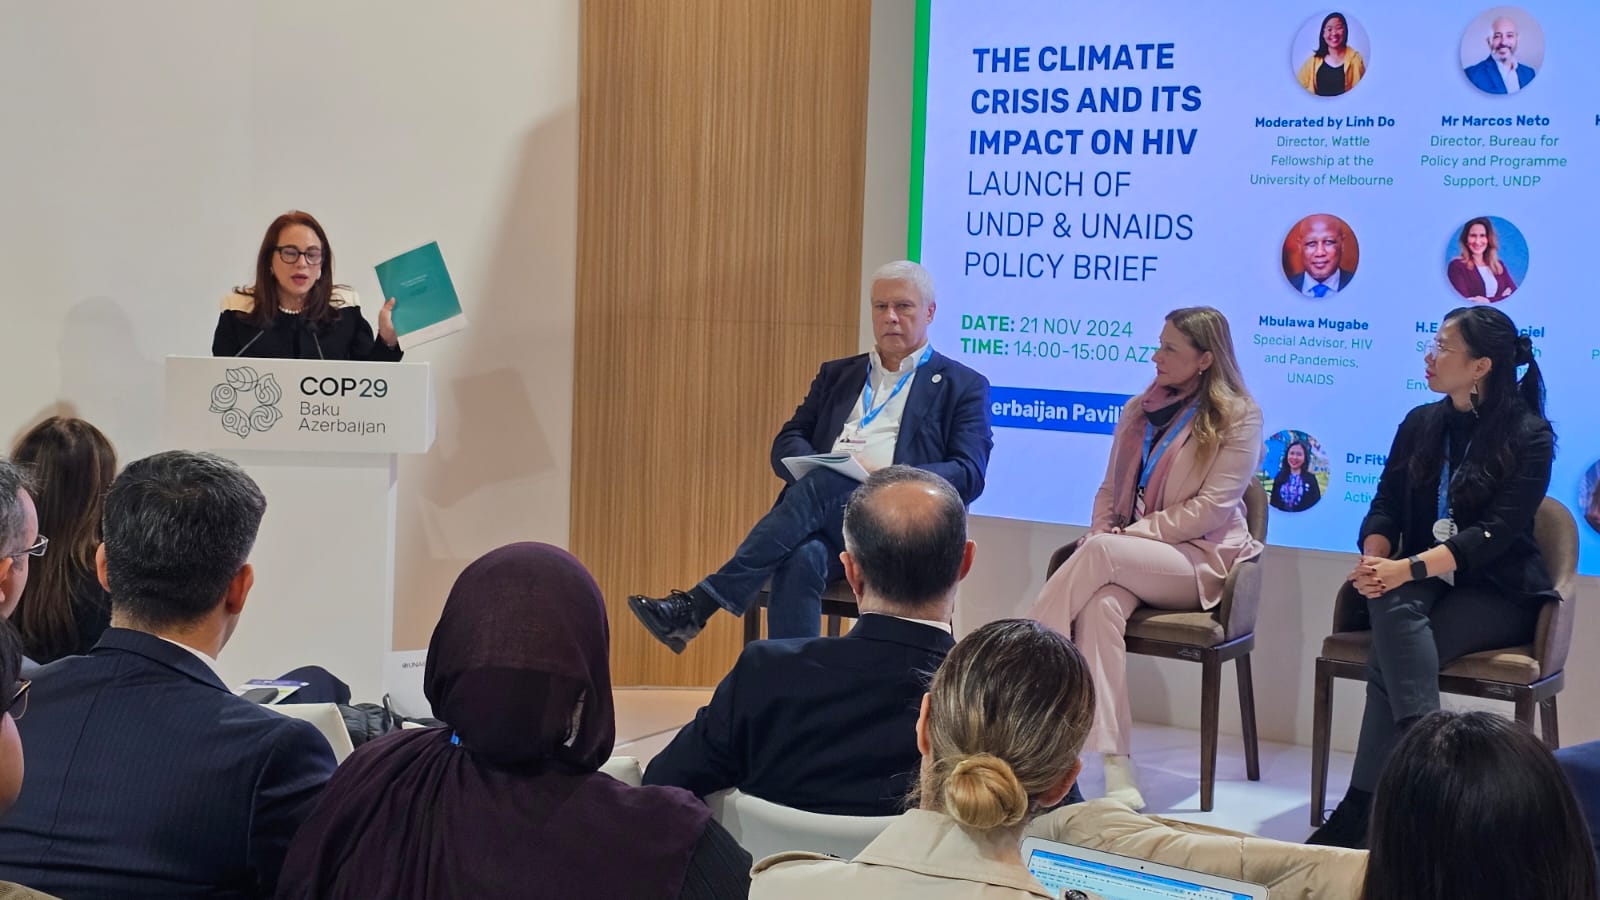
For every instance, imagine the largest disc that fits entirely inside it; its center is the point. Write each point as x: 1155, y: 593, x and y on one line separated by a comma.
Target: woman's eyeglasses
x: 291, y: 254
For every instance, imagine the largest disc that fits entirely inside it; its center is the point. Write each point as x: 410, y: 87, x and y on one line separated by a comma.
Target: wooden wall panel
x: 722, y: 146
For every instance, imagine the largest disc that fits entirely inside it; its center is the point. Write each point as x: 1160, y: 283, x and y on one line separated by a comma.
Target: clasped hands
x: 1375, y: 576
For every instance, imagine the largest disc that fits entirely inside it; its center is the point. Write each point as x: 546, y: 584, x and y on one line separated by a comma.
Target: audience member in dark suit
x: 13, y: 704
x: 507, y: 801
x: 1582, y: 765
x: 149, y: 778
x: 65, y: 610
x: 901, y: 404
x: 829, y: 724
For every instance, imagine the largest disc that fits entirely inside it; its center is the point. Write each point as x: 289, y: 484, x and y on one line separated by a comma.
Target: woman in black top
x: 1295, y: 488
x: 294, y: 310
x: 1449, y: 565
x: 63, y: 609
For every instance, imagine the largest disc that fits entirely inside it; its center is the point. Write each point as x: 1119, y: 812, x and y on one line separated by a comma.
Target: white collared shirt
x: 1310, y: 284
x: 884, y: 430
x: 1490, y: 283
x: 210, y: 663
x: 931, y: 623
x: 1508, y: 74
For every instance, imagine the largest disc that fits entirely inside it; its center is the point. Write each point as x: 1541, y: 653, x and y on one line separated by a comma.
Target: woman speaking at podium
x: 1169, y: 518
x: 294, y: 310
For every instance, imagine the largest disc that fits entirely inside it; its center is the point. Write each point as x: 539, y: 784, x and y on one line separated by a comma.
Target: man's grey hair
x: 13, y: 481
x: 906, y: 270
x: 178, y: 527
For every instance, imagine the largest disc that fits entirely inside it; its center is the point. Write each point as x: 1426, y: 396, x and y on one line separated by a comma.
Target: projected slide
x: 1335, y: 179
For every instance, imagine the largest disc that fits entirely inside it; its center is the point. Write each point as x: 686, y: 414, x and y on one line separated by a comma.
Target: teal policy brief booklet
x: 426, y: 307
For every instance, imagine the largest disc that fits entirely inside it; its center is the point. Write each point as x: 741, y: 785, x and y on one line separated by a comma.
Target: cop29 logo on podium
x: 246, y: 401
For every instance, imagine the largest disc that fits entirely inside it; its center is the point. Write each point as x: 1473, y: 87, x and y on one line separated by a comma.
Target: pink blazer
x: 1200, y: 507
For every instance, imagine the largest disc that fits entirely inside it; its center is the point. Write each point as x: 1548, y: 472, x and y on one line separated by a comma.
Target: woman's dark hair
x: 1283, y: 466
x: 319, y: 300
x: 1502, y: 404
x: 1472, y: 805
x: 72, y: 466
x: 1322, y: 41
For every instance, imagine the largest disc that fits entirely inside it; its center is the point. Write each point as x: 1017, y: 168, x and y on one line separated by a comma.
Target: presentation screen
x: 1334, y: 179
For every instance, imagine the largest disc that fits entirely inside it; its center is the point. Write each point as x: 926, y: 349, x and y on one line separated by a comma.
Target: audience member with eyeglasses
x: 20, y: 539
x: 294, y: 310
x: 149, y: 777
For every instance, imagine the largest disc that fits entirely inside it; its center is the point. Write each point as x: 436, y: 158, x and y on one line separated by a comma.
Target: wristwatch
x: 1419, y: 569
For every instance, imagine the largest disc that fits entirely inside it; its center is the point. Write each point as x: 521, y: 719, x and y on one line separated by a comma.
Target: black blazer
x: 147, y: 777
x: 944, y: 429
x: 347, y: 337
x: 1494, y: 546
x: 821, y: 724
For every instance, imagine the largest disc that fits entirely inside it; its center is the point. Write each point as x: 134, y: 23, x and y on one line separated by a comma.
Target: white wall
x: 149, y: 144
x: 1297, y: 602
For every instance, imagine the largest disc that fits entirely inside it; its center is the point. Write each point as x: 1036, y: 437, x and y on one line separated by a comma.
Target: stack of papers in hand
x: 845, y: 464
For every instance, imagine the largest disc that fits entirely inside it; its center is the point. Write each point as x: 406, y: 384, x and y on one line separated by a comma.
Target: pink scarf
x: 1128, y: 449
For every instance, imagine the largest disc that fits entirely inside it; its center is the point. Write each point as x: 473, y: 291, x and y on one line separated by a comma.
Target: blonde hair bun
x: 983, y: 792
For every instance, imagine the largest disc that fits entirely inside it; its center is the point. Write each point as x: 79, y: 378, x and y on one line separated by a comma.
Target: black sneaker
x: 671, y: 619
x: 1347, y: 827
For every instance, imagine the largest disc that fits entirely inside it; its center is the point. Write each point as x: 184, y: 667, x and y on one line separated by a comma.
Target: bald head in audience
x: 906, y: 547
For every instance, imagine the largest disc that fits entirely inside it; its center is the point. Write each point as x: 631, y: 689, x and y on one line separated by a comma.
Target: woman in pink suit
x: 1169, y: 519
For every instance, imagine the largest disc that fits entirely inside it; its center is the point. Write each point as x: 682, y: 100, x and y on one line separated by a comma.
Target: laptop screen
x: 1059, y: 872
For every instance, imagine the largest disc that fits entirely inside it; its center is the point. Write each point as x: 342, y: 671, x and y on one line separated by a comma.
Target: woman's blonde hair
x: 1009, y: 711
x: 1222, y: 395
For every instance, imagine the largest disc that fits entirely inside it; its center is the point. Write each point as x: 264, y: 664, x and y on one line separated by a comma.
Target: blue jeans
x: 796, y: 545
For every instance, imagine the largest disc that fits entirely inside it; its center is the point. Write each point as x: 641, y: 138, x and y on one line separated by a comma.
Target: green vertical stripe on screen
x: 919, y: 136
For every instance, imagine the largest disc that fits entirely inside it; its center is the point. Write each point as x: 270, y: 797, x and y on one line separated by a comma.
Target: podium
x: 321, y: 438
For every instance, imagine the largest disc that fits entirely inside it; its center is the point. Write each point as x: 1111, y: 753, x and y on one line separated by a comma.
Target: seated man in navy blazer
x: 147, y: 777
x: 1500, y: 72
x: 902, y: 403
x: 828, y: 724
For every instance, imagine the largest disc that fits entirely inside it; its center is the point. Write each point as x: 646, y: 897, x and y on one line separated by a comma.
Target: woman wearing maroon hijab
x: 507, y: 801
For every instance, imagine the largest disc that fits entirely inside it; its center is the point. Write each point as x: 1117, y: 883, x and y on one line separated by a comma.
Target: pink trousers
x: 1091, y: 597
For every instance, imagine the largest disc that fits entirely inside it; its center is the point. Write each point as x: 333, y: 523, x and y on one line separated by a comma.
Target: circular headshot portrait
x: 1589, y: 497
x: 1294, y: 472
x: 1320, y: 256
x: 1502, y: 50
x: 1330, y: 54
x: 1486, y: 258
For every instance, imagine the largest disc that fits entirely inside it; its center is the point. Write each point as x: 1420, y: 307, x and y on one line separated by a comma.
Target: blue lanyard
x: 1151, y: 458
x: 867, y: 412
x: 1444, y: 477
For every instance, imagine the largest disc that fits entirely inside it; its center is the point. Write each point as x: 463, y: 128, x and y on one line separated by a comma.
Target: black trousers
x: 1417, y: 628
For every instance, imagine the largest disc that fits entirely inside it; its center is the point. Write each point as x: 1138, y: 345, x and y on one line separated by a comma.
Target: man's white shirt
x: 884, y: 429
x: 1508, y: 74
